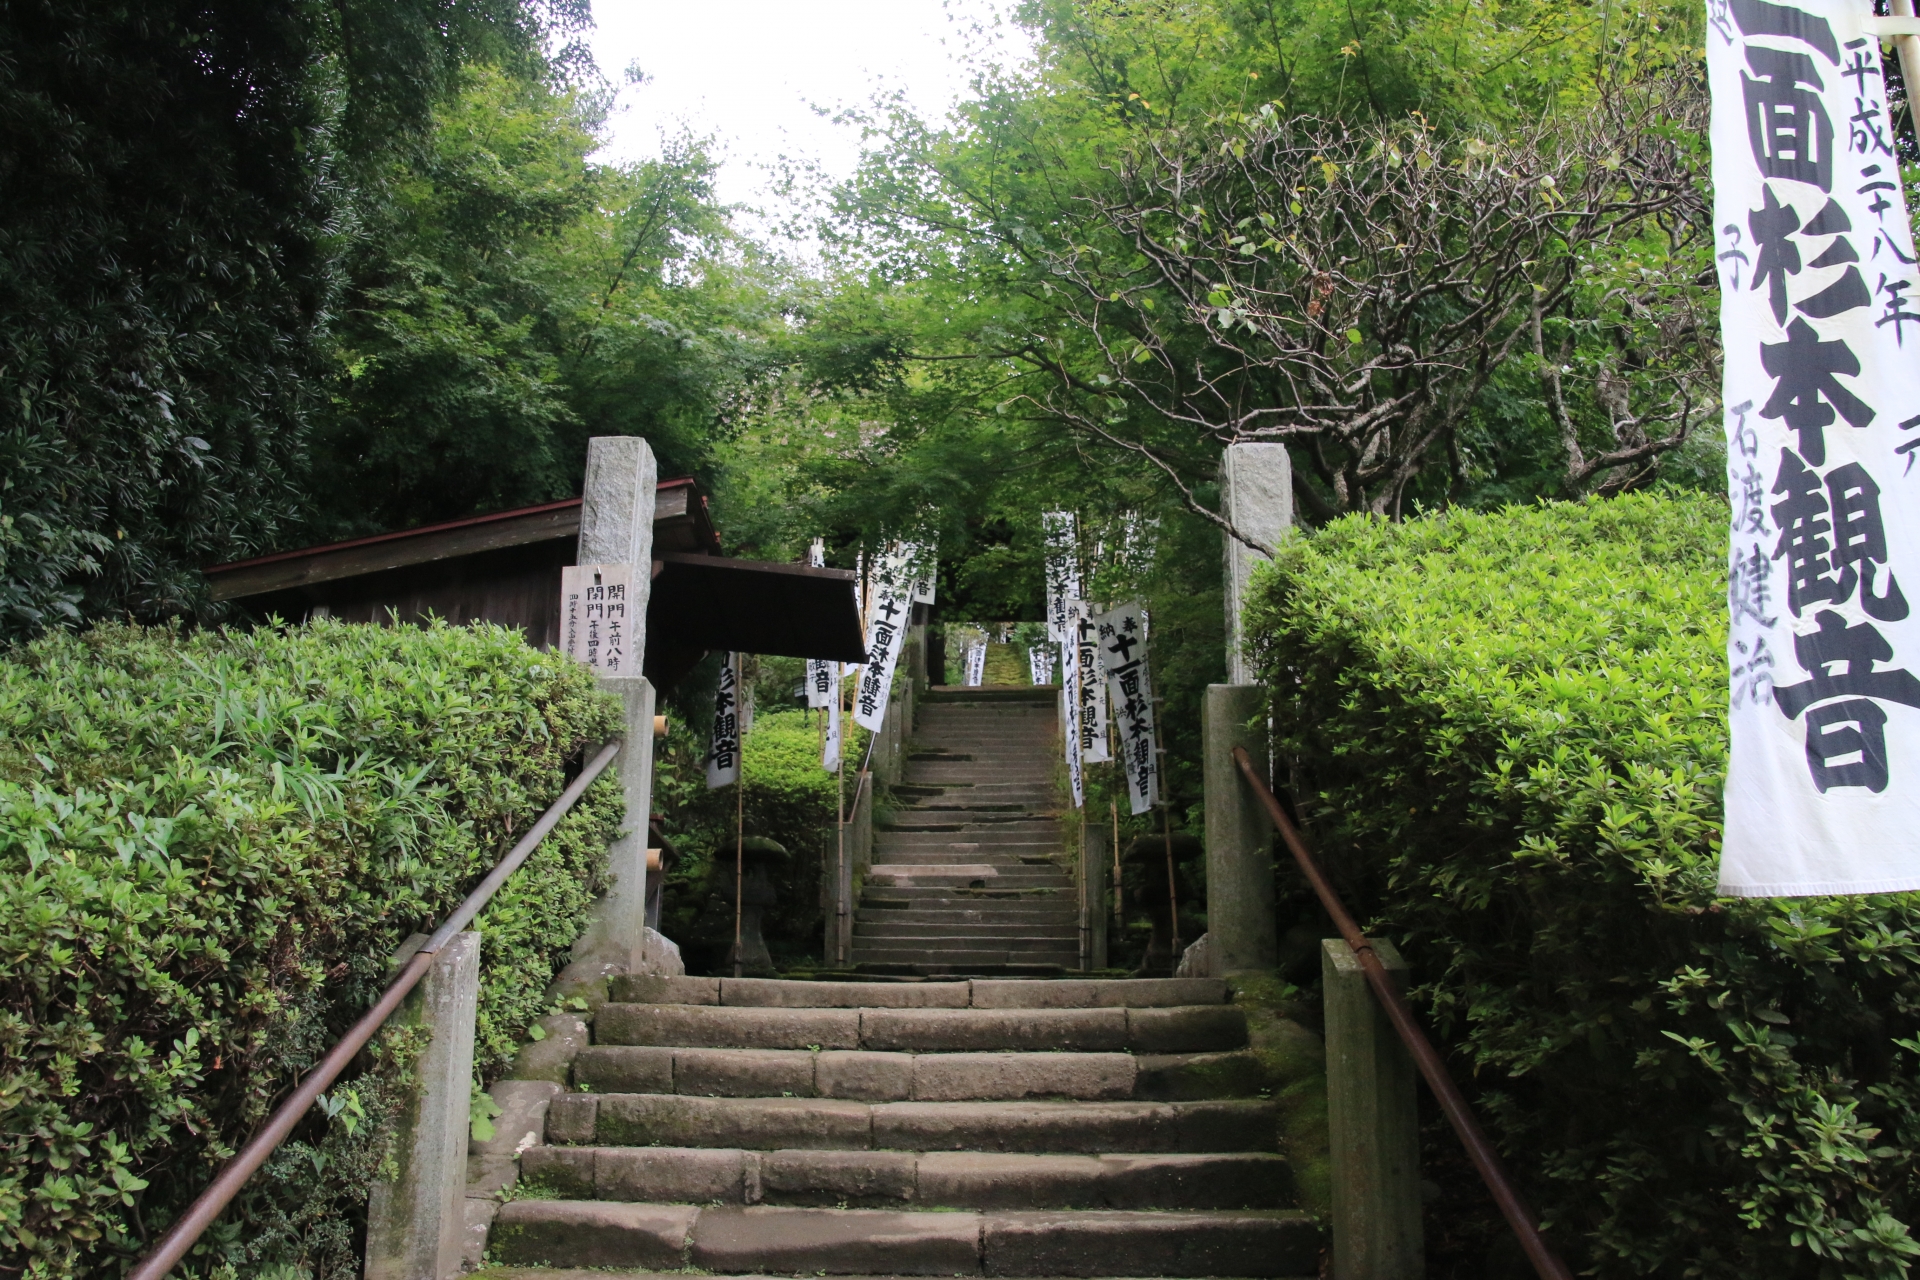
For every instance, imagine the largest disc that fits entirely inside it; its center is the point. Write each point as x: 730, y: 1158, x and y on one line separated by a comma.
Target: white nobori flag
x: 1122, y: 636
x: 1062, y: 565
x: 1822, y: 398
x: 823, y: 674
x: 976, y: 668
x: 891, y: 594
x: 723, y: 749
x: 1092, y: 718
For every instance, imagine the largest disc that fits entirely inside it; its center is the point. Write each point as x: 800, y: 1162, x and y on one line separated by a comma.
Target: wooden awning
x: 505, y: 568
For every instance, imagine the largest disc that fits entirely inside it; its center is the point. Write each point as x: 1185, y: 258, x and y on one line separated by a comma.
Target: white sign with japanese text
x: 723, y: 746
x: 823, y: 674
x: 1092, y: 718
x: 1122, y: 636
x: 887, y: 618
x: 1062, y: 566
x: 595, y: 625
x: 1822, y: 403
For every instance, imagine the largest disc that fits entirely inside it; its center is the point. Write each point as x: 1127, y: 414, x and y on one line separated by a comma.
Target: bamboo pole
x: 1908, y: 49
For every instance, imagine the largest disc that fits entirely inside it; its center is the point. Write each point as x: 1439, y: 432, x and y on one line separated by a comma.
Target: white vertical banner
x: 1040, y: 664
x: 1822, y: 402
x: 830, y: 748
x: 976, y: 670
x: 823, y: 674
x: 595, y: 625
x: 1122, y: 636
x: 892, y: 607
x: 1092, y: 719
x: 723, y: 746
x: 1070, y: 677
x: 926, y: 571
x: 1062, y: 566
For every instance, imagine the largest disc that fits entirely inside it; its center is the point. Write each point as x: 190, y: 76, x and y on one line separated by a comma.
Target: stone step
x: 783, y: 993
x: 1034, y: 826
x: 1006, y: 910
x: 961, y: 846
x: 901, y: 876
x: 1039, y: 915
x: 985, y: 959
x: 959, y: 893
x: 918, y: 860
x: 894, y: 1179
x: 784, y: 1240
x: 1067, y: 932
x: 832, y: 1124
x: 1181, y: 1029
x: 872, y: 1076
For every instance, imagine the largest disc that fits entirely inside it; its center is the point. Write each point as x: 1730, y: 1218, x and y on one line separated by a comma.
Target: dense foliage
x: 210, y: 847
x: 1508, y: 733
x: 787, y: 797
x: 174, y: 177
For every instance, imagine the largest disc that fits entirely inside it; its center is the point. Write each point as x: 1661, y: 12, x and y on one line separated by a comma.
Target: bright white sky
x: 749, y: 72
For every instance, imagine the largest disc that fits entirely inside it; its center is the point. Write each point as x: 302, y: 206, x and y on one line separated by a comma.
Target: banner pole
x: 1908, y: 48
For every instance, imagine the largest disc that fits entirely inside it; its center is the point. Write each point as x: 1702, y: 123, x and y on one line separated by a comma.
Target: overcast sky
x: 749, y: 72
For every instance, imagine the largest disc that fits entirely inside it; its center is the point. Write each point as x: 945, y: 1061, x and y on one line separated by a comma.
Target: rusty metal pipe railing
x: 1485, y: 1159
x: 201, y: 1214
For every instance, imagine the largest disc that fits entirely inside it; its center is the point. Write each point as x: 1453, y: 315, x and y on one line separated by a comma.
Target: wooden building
x: 505, y: 568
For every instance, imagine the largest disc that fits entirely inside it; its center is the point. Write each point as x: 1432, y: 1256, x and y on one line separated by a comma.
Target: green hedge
x: 1508, y: 731
x: 210, y: 846
x: 789, y: 798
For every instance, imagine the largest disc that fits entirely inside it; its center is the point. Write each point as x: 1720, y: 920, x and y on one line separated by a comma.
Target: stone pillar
x: 416, y: 1222
x: 616, y: 933
x: 1096, y: 871
x: 1240, y: 904
x: 616, y: 527
x: 1373, y: 1124
x: 1256, y: 496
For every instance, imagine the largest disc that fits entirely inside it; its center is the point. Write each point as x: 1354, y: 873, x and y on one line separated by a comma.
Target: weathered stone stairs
x: 969, y: 874
x: 1000, y: 1128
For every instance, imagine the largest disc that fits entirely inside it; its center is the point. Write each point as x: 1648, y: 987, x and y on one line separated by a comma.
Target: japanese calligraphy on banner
x: 976, y: 668
x: 594, y: 622
x: 1822, y: 399
x: 1040, y: 664
x: 890, y: 608
x: 823, y: 674
x: 1063, y: 572
x: 723, y: 747
x: 1092, y: 718
x: 830, y: 745
x: 1070, y: 677
x: 1122, y: 637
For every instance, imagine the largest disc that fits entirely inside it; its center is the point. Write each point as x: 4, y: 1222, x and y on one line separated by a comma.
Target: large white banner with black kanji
x: 1122, y: 637
x: 890, y: 593
x: 1822, y: 399
x: 1062, y: 566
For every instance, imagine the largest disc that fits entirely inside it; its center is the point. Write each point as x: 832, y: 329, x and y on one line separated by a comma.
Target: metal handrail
x: 1485, y: 1159
x: 226, y: 1185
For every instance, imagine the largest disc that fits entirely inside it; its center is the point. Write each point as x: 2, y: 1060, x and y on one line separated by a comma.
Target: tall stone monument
x: 1256, y: 497
x: 616, y: 527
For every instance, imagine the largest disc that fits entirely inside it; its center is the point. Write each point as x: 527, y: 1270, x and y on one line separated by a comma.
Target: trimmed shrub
x: 1507, y: 732
x: 210, y: 847
x: 789, y: 798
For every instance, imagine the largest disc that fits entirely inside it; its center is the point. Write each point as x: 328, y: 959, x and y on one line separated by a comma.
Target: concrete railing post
x: 1242, y: 932
x: 1373, y: 1124
x: 417, y: 1220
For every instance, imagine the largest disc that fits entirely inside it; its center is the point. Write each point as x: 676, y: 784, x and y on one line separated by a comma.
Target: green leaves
x: 210, y: 845
x: 1510, y: 732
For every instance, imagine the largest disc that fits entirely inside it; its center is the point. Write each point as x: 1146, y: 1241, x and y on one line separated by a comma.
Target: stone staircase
x: 969, y: 875
x: 1000, y: 1128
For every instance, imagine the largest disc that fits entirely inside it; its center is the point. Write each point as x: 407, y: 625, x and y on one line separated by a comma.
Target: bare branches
x: 1357, y: 289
